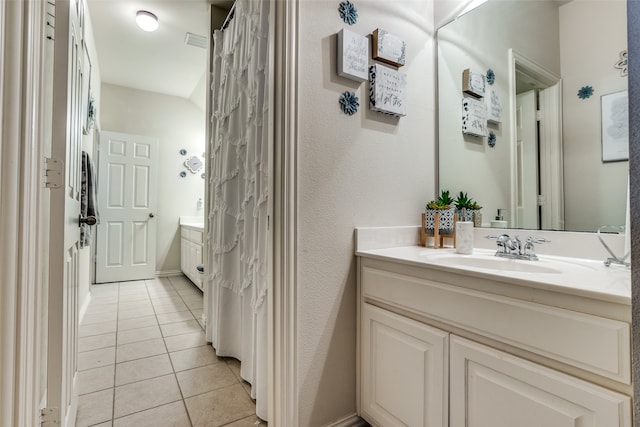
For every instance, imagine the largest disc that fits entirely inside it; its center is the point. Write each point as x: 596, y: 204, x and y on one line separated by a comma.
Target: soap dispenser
x: 499, y: 222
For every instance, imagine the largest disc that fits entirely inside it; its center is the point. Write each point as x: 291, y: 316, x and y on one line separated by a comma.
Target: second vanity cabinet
x: 439, y: 348
x: 191, y: 250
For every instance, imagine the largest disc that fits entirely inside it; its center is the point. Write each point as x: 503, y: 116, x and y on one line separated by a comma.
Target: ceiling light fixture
x: 146, y: 20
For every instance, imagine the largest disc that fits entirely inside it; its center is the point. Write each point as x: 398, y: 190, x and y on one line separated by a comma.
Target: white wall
x: 595, y: 192
x: 479, y: 41
x: 178, y: 123
x: 362, y: 170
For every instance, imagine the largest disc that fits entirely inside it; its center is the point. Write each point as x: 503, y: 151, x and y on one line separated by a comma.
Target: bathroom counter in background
x: 192, y: 248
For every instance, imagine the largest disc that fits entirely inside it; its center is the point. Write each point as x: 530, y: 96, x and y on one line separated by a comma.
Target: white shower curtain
x: 238, y: 183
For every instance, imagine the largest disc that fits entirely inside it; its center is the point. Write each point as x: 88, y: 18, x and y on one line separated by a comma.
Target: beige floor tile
x: 137, y: 312
x: 140, y: 349
x: 179, y: 328
x: 102, y: 300
x: 166, y: 300
x: 179, y: 316
x: 107, y: 424
x: 180, y: 279
x: 96, y: 379
x: 140, y: 334
x: 252, y: 421
x: 137, y: 323
x: 95, y: 342
x: 182, y: 342
x: 194, y: 305
x: 127, y: 305
x: 90, y: 318
x: 234, y: 365
x: 202, y: 324
x: 146, y: 394
x: 197, y: 313
x: 96, y: 358
x: 189, y: 292
x: 102, y: 308
x: 170, y: 308
x: 220, y: 407
x: 205, y: 379
x: 104, y: 291
x: 142, y: 369
x: 162, y: 293
x: 246, y: 386
x: 97, y: 328
x: 94, y: 408
x: 171, y: 415
x: 193, y: 358
x: 132, y: 284
x: 136, y: 297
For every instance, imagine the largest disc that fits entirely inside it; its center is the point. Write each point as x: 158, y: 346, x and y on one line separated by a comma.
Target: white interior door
x: 127, y: 200
x: 527, y: 161
x: 64, y: 242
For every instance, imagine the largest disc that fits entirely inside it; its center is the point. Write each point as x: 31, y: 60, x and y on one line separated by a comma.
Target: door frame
x: 23, y: 108
x: 551, y: 132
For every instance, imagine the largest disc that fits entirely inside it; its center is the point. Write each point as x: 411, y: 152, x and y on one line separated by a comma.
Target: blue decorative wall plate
x: 585, y: 92
x: 348, y: 12
x: 349, y: 103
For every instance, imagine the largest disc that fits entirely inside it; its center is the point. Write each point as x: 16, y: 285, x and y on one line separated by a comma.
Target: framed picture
x: 353, y: 55
x: 474, y: 117
x: 615, y: 126
x: 387, y: 90
x: 85, y: 94
x: 388, y: 48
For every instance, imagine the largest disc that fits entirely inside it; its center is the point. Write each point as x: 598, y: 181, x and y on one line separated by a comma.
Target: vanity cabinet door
x: 490, y: 388
x: 404, y: 371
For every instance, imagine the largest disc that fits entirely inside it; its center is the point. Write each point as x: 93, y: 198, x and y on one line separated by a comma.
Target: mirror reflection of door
x: 527, y: 160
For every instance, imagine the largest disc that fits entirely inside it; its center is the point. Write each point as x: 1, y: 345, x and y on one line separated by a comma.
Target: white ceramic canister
x: 464, y: 237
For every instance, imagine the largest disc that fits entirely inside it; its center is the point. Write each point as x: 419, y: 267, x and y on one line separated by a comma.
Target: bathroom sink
x: 486, y: 262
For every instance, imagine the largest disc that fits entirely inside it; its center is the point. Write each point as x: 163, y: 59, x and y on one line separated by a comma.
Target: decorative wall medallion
x: 585, y: 92
x: 491, y: 141
x: 194, y: 164
x: 183, y: 174
x: 491, y: 77
x: 349, y: 103
x: 183, y: 152
x: 348, y: 12
x: 623, y: 63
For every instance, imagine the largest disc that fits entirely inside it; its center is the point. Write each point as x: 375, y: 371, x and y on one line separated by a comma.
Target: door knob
x: 151, y: 215
x: 89, y: 220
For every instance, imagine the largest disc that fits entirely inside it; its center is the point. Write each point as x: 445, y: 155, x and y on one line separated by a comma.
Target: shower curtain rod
x: 229, y: 17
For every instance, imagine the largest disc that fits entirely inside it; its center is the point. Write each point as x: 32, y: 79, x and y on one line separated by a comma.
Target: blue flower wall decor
x: 348, y: 12
x: 492, y: 139
x: 585, y: 92
x: 491, y: 77
x: 349, y: 103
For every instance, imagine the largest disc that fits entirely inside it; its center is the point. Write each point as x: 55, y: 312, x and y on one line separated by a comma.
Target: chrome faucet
x: 511, y: 247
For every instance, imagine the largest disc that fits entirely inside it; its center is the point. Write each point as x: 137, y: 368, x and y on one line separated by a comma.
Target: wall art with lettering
x: 387, y: 90
x: 353, y: 55
x: 473, y: 83
x: 494, y: 106
x: 389, y: 48
x: 474, y: 117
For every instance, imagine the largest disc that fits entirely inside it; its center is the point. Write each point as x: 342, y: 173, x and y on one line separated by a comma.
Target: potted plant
x: 444, y: 207
x: 468, y: 209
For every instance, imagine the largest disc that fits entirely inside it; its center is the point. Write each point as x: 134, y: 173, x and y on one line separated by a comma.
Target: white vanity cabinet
x: 445, y: 348
x: 191, y: 245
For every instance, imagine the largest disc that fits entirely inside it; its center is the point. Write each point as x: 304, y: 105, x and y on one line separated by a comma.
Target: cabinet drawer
x: 192, y: 235
x: 592, y: 343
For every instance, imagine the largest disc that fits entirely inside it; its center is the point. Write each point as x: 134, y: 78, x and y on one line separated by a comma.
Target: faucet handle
x: 531, y: 239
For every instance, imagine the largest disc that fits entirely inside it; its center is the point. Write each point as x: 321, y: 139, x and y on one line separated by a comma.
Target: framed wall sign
x: 389, y: 48
x: 473, y: 83
x: 353, y: 55
x: 387, y: 90
x: 474, y: 117
x: 615, y: 126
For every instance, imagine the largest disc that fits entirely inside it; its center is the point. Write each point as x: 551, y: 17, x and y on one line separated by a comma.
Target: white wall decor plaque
x: 494, y: 106
x: 387, y: 90
x: 353, y: 55
x: 389, y: 48
x: 474, y: 117
x: 473, y: 83
x: 615, y: 126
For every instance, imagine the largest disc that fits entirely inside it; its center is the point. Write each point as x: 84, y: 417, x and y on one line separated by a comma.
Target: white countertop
x: 573, y: 276
x: 192, y: 222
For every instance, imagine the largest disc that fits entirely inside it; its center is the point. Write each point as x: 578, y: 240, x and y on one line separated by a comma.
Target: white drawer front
x: 595, y: 344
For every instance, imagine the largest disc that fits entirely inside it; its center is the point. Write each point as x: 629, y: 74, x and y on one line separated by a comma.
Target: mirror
x: 553, y: 62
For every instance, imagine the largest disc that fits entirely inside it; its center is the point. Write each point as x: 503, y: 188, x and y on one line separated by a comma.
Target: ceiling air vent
x: 195, y: 40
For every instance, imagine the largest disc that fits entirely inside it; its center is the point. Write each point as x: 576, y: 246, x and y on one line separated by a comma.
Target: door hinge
x: 53, y: 173
x: 539, y: 115
x: 50, y: 417
x: 542, y: 200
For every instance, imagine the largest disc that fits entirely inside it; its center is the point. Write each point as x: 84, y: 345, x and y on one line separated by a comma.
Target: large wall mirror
x: 560, y: 81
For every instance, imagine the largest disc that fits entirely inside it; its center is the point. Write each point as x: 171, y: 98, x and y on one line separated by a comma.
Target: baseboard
x: 352, y: 420
x: 168, y: 273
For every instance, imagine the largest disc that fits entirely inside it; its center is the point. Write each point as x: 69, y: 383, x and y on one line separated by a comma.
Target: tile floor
x: 143, y: 361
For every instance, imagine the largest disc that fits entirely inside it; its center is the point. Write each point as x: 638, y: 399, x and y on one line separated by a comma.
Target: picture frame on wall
x: 389, y: 48
x: 615, y: 126
x: 353, y: 56
x: 473, y: 83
